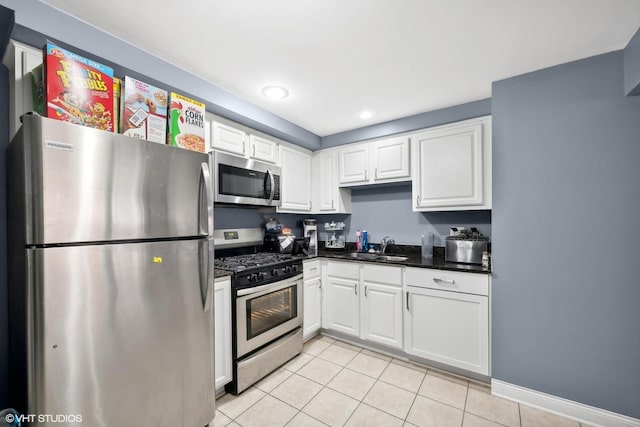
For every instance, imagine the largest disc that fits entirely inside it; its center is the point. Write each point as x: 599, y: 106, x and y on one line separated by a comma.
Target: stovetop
x: 260, y: 268
x: 242, y: 262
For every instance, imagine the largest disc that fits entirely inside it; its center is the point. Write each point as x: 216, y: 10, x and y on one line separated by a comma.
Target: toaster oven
x: 464, y: 249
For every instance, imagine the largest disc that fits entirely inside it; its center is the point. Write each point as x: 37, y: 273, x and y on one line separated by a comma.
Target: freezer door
x: 86, y: 185
x: 123, y: 334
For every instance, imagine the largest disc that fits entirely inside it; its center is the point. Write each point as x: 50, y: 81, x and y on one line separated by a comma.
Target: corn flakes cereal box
x: 78, y: 90
x: 144, y: 113
x: 186, y: 123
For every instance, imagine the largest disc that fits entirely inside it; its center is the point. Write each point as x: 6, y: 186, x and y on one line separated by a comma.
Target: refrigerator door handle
x: 206, y: 283
x: 206, y: 272
x: 207, y: 191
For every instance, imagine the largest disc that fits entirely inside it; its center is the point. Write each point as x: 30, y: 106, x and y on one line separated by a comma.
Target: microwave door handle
x: 273, y: 187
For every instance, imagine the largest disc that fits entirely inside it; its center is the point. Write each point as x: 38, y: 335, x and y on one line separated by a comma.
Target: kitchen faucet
x: 384, y: 242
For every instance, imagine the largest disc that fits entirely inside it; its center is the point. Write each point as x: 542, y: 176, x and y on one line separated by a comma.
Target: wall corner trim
x: 560, y: 406
x: 631, y: 61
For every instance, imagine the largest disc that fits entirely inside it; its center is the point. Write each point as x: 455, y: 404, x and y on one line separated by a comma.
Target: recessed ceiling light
x: 275, y: 92
x: 366, y: 115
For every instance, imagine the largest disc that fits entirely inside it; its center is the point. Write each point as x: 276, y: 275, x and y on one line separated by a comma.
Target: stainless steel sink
x: 365, y: 255
x: 393, y: 258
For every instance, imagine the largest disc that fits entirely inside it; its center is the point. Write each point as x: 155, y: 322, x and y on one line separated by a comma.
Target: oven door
x: 265, y: 313
x: 246, y: 181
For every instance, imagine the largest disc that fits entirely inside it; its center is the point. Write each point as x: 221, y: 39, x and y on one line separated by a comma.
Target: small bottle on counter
x: 486, y: 259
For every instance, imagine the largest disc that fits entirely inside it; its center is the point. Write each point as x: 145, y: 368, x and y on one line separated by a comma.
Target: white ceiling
x: 339, y: 57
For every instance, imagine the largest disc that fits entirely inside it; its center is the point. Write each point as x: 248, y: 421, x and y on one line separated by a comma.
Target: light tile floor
x: 337, y: 384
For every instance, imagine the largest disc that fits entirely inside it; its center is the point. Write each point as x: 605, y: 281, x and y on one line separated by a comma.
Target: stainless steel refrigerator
x: 111, y: 278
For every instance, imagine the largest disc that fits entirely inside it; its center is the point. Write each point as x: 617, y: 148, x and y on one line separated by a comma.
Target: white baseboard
x: 560, y: 406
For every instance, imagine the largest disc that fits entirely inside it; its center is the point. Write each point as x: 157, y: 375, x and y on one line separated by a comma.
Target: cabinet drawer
x: 382, y: 274
x: 447, y: 280
x: 347, y: 270
x: 311, y: 269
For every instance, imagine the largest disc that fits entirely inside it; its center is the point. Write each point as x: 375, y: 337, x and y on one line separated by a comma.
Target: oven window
x: 268, y: 311
x: 235, y: 181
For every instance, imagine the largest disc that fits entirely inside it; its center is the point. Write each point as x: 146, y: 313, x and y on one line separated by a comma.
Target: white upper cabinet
x: 354, y: 164
x: 263, y: 149
x: 295, y: 182
x: 228, y: 138
x: 20, y: 59
x: 327, y: 196
x: 236, y: 139
x: 374, y: 162
x: 452, y: 166
x: 390, y: 159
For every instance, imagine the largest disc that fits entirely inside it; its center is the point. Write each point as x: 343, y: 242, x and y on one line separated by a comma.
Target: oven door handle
x: 274, y: 285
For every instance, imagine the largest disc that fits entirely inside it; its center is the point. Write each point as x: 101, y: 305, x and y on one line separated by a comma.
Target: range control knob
x: 274, y: 272
x: 294, y: 268
x: 252, y: 277
x: 262, y: 275
x: 287, y: 269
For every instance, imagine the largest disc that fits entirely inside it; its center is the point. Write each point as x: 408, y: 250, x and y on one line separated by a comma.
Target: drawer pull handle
x: 365, y: 291
x: 407, y: 300
x: 355, y: 288
x: 447, y: 281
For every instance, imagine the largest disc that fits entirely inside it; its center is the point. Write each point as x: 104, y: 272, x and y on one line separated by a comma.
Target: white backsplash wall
x: 387, y: 211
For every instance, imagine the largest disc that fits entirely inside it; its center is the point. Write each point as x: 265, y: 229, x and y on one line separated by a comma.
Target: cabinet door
x: 223, y: 372
x: 295, y: 182
x: 228, y: 138
x: 382, y: 314
x: 20, y: 59
x: 391, y: 159
x: 263, y: 149
x: 311, y: 321
x: 449, y: 167
x: 342, y: 305
x: 325, y: 175
x: 354, y: 164
x: 448, y: 327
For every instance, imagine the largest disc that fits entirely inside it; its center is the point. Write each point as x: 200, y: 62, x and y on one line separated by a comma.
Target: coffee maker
x: 311, y: 232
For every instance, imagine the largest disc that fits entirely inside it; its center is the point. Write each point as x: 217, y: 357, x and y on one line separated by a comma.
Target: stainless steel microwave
x: 245, y: 181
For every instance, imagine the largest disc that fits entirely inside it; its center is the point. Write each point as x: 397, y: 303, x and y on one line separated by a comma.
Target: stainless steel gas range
x: 266, y: 308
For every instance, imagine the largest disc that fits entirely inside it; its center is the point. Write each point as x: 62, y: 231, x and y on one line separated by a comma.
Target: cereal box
x: 78, y: 90
x: 144, y: 113
x: 186, y: 123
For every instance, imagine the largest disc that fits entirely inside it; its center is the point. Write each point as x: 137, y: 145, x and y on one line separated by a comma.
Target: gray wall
x: 4, y: 317
x: 632, y: 66
x: 566, y: 197
x: 406, y: 124
x: 6, y: 25
x: 386, y: 211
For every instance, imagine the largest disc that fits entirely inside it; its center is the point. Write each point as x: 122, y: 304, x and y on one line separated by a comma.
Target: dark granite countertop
x: 414, y: 259
x: 220, y: 273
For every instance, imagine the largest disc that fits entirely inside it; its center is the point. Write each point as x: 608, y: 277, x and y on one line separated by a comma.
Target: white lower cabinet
x: 447, y: 326
x: 342, y: 305
x: 312, y: 299
x: 222, y: 313
x: 381, y: 305
x: 364, y: 301
x: 341, y: 302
